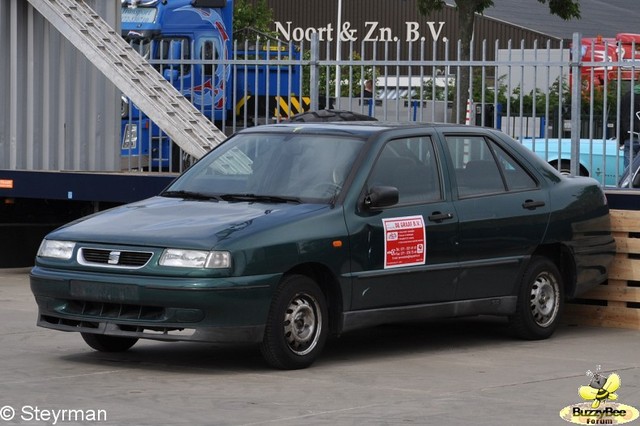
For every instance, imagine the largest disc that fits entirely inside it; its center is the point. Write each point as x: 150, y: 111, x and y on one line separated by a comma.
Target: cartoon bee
x: 601, y: 388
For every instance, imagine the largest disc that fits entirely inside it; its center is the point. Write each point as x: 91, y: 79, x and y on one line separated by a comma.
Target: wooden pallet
x: 616, y: 303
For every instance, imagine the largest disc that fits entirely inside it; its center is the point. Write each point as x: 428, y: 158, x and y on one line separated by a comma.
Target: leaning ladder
x: 132, y: 74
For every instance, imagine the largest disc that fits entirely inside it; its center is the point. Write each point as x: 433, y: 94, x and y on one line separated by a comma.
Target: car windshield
x: 270, y: 167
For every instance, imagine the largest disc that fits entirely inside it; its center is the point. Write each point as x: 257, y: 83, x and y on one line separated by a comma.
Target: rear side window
x: 482, y: 167
x: 516, y: 177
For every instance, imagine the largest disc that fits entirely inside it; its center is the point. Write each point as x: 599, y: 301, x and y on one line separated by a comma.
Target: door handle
x: 439, y: 217
x: 532, y: 205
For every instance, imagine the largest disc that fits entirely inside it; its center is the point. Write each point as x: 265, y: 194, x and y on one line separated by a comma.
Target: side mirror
x: 381, y: 196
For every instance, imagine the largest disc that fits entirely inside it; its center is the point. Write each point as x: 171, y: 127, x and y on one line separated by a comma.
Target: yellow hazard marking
x: 283, y: 110
x: 241, y: 104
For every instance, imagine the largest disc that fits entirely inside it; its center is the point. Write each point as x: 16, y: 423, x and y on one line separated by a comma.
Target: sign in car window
x: 404, y: 241
x: 145, y: 15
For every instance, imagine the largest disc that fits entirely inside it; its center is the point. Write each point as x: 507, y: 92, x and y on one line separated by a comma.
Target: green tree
x: 252, y: 18
x: 467, y: 9
x: 438, y: 91
x: 351, y: 78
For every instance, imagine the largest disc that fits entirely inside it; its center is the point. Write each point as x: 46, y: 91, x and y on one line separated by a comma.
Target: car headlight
x: 56, y: 249
x: 196, y: 259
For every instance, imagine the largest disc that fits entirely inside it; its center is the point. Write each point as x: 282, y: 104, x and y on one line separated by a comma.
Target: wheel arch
x: 565, y: 164
x: 330, y: 286
x: 561, y: 255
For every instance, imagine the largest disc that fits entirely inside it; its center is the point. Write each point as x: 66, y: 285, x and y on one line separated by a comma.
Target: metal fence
x: 559, y: 103
x: 562, y: 101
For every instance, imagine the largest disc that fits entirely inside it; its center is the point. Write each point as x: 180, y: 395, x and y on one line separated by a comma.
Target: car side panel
x: 375, y: 286
x: 497, y: 234
x: 580, y: 221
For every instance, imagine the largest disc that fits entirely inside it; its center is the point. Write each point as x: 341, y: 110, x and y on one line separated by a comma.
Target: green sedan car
x: 286, y: 234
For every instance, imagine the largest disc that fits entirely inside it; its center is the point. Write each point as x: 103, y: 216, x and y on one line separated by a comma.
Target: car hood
x: 171, y: 222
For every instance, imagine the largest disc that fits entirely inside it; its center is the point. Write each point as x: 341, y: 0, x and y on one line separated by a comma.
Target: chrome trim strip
x: 81, y: 260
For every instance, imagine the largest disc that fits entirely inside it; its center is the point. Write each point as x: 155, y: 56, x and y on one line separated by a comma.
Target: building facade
x: 57, y: 111
x: 385, y: 23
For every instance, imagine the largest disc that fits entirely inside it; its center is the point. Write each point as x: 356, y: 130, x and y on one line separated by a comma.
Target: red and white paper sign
x: 404, y: 241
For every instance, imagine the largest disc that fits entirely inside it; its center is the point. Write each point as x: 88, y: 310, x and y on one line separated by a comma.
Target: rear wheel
x: 104, y: 343
x: 540, y: 301
x: 297, y: 325
x: 565, y: 168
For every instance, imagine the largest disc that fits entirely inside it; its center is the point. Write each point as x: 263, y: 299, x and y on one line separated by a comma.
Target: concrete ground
x: 456, y: 372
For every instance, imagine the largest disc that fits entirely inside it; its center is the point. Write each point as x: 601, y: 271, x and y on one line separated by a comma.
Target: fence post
x: 576, y: 95
x: 314, y: 72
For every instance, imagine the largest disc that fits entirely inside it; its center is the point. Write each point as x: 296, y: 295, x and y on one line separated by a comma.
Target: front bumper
x: 216, y: 310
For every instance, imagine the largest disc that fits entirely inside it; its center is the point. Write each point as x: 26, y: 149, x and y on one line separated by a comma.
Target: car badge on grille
x: 114, y: 258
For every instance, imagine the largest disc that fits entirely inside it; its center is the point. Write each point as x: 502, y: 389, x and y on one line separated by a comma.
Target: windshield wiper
x: 190, y: 195
x: 260, y: 198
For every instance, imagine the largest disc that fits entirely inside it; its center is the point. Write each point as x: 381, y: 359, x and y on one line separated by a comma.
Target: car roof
x: 354, y: 128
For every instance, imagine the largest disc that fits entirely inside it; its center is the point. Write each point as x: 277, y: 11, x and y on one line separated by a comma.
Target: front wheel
x: 297, y: 324
x: 104, y: 343
x: 540, y: 301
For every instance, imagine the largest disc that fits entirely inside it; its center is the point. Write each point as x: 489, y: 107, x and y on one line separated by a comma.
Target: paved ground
x: 453, y: 372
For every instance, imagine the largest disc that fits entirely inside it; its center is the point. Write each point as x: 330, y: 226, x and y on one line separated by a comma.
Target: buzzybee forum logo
x: 601, y: 406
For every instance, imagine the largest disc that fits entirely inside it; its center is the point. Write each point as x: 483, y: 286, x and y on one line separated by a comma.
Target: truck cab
x: 623, y: 47
x: 190, y: 43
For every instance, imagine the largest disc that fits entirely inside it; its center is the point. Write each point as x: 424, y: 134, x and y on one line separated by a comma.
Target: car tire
x: 328, y: 115
x: 104, y: 343
x: 297, y: 325
x: 540, y: 301
x: 565, y: 168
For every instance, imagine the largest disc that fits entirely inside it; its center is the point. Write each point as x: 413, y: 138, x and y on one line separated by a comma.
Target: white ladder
x: 132, y: 74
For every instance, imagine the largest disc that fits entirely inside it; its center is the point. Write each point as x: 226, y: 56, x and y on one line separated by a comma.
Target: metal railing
x: 561, y: 104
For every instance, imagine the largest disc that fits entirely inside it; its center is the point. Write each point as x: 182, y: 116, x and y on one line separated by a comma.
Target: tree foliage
x: 565, y: 9
x: 351, y: 78
x: 499, y: 94
x: 467, y: 9
x: 250, y: 18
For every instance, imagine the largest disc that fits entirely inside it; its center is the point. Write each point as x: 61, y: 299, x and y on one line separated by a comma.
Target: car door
x: 503, y: 213
x: 405, y: 254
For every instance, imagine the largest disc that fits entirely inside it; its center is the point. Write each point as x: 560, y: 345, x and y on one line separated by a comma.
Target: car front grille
x: 114, y: 310
x: 113, y: 258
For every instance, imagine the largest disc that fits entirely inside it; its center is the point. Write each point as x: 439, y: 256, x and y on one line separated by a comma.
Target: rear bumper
x: 593, y: 263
